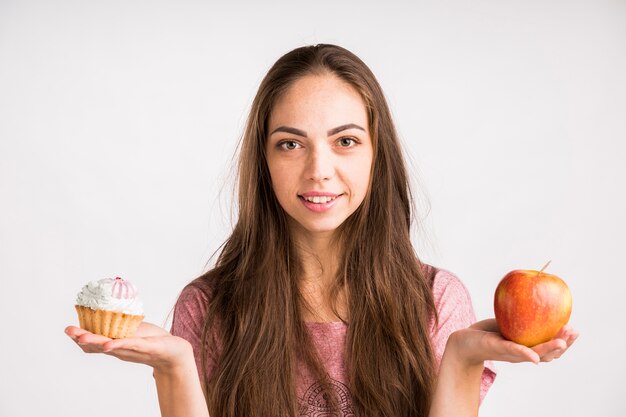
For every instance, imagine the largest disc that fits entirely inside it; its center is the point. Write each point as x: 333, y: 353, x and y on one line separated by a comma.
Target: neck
x: 320, y: 259
x: 319, y: 256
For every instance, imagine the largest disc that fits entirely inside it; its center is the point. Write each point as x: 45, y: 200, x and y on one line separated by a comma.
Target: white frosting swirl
x: 98, y: 295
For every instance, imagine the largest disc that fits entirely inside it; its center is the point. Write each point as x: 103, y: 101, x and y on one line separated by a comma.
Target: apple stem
x: 545, y: 266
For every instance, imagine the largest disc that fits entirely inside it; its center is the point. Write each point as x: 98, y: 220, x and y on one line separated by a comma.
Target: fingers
x: 554, y: 344
x: 516, y: 353
x: 531, y: 355
x: 91, y: 343
x: 568, y: 334
x: 130, y: 349
x: 129, y: 343
x: 475, y: 345
x: 162, y: 349
x: 550, y: 350
x: 556, y: 347
x: 73, y: 332
x: 87, y: 341
x: 497, y: 348
x: 83, y: 336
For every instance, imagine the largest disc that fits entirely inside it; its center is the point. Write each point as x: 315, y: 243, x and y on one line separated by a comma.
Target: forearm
x: 180, y: 393
x: 457, y: 392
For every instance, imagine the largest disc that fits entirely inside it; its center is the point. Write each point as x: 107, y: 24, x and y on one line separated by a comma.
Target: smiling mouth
x: 319, y: 199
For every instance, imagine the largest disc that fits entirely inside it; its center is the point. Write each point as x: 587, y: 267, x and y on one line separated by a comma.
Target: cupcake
x: 109, y: 307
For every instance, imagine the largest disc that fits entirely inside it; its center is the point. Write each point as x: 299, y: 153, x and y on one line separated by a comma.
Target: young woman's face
x: 319, y: 152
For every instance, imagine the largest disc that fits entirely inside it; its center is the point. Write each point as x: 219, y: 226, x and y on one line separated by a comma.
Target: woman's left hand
x: 482, y: 341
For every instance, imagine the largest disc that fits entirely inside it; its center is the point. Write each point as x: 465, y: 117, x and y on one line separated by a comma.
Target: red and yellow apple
x: 531, y: 306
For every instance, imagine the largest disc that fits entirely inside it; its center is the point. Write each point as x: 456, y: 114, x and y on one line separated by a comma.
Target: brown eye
x: 289, y: 145
x: 346, y: 142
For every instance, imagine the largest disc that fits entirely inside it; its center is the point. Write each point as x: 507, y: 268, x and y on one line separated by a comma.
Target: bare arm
x: 180, y: 393
x: 177, y: 381
x: 457, y: 390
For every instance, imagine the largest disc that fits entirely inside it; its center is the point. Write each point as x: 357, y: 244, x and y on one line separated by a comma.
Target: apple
x: 531, y: 306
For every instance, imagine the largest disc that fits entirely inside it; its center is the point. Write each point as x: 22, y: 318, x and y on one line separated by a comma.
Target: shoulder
x: 452, y: 302
x: 448, y: 288
x: 197, y: 292
x: 191, y: 308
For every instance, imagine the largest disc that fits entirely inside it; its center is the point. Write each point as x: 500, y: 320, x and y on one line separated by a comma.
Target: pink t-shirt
x: 453, y: 305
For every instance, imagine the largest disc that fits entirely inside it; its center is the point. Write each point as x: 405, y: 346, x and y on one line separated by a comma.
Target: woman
x: 318, y: 304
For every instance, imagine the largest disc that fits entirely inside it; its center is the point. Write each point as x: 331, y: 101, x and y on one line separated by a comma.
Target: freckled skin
x: 531, y: 306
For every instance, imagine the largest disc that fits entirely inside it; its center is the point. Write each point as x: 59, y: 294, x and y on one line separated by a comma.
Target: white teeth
x: 319, y: 199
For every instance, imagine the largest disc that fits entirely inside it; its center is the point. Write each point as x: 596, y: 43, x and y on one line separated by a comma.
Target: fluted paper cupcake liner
x: 111, y: 324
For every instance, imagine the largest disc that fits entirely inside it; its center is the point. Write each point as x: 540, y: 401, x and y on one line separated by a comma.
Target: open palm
x: 151, y: 345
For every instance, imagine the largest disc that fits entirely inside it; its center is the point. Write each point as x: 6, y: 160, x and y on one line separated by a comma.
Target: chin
x: 322, y: 229
x: 318, y: 228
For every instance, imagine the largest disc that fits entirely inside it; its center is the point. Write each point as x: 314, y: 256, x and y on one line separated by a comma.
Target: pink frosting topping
x: 123, y: 289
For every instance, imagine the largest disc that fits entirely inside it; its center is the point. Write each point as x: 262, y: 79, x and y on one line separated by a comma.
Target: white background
x: 119, y: 121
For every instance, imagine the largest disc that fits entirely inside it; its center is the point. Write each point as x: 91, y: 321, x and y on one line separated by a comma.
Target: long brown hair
x: 254, y: 316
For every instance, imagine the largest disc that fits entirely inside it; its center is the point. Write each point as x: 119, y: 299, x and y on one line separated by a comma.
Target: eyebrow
x: 331, y: 132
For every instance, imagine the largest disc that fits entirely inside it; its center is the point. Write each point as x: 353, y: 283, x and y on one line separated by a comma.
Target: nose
x: 320, y: 164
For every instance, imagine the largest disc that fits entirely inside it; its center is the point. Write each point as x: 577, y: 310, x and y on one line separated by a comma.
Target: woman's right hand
x: 178, y: 386
x: 151, y: 345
